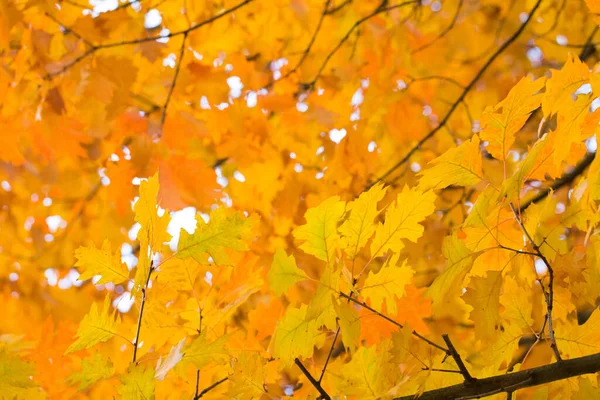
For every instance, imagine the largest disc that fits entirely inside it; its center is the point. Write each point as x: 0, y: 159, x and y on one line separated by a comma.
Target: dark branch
x: 458, y: 360
x: 565, y: 180
x: 445, y: 31
x: 208, y: 389
x: 414, y: 333
x: 136, y: 342
x: 312, y: 380
x: 455, y: 105
x: 172, y: 88
x: 512, y: 382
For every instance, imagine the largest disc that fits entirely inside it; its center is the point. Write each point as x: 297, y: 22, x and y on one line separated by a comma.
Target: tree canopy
x: 256, y: 199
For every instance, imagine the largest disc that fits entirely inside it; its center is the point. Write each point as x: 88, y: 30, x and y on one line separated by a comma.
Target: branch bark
x: 512, y: 382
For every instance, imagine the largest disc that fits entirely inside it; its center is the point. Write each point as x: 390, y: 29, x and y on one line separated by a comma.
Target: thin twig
x: 312, y: 380
x: 312, y: 41
x: 549, y: 294
x: 139, y: 324
x: 444, y: 32
x: 151, y: 38
x: 414, y: 333
x: 174, y: 82
x: 358, y: 23
x: 209, y: 388
x: 464, y: 93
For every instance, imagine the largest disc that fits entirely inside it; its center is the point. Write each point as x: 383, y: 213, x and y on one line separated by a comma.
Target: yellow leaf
x: 321, y: 305
x: 457, y: 166
x: 483, y: 294
x: 284, y: 273
x: 295, y: 336
x: 319, y: 235
x: 517, y: 304
x: 369, y: 375
x: 574, y: 340
x: 137, y: 384
x: 402, y: 221
x: 222, y: 232
x: 15, y: 381
x: 153, y: 228
x: 248, y: 377
x: 499, y: 128
x: 92, y: 370
x: 563, y: 83
x: 174, y: 356
x: 96, y: 327
x: 93, y: 261
x: 387, y: 284
x: 359, y: 226
x: 201, y: 353
x: 349, y: 324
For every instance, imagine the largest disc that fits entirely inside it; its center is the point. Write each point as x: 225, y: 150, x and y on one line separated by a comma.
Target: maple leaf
x: 92, y: 370
x: 222, y: 232
x: 402, y: 221
x: 284, y: 273
x: 15, y: 376
x: 96, y: 327
x: 101, y: 262
x: 349, y: 324
x: 201, y: 353
x: 387, y: 284
x: 458, y: 166
x: 319, y: 236
x: 358, y: 228
x: 499, y: 128
x: 294, y: 336
x: 248, y: 377
x: 137, y: 384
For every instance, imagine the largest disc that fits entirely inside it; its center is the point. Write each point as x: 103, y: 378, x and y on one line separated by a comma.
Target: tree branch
x: 458, y: 360
x: 548, y: 295
x: 514, y: 381
x: 149, y: 39
x: 312, y: 380
x: 139, y: 324
x: 172, y: 88
x: 462, y: 96
x: 444, y: 32
x: 414, y: 333
x: 208, y: 389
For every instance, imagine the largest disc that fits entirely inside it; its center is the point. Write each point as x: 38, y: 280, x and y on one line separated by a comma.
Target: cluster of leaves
x: 379, y: 203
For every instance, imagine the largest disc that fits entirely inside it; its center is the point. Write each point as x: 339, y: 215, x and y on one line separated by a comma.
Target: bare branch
x: 445, y: 31
x: 464, y: 93
x: 174, y: 82
x: 549, y: 294
x: 136, y: 342
x: 312, y: 380
x: 414, y: 333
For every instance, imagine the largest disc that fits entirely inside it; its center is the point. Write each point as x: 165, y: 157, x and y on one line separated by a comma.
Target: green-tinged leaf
x: 295, y: 336
x: 92, y: 370
x: 319, y: 236
x: 96, y: 327
x: 201, y: 353
x: 137, y: 384
x: 284, y: 272
x: 224, y: 231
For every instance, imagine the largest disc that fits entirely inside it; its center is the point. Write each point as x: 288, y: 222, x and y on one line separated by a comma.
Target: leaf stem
x: 139, y: 324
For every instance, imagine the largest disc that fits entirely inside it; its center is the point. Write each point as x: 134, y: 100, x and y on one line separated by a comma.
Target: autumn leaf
x: 284, y: 272
x: 221, y: 233
x: 201, y: 353
x: 319, y: 236
x: 402, y: 221
x: 96, y: 327
x: 92, y: 370
x: 387, y: 284
x: 164, y: 366
x: 294, y: 336
x: 101, y: 262
x: 137, y: 384
x: 459, y: 166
